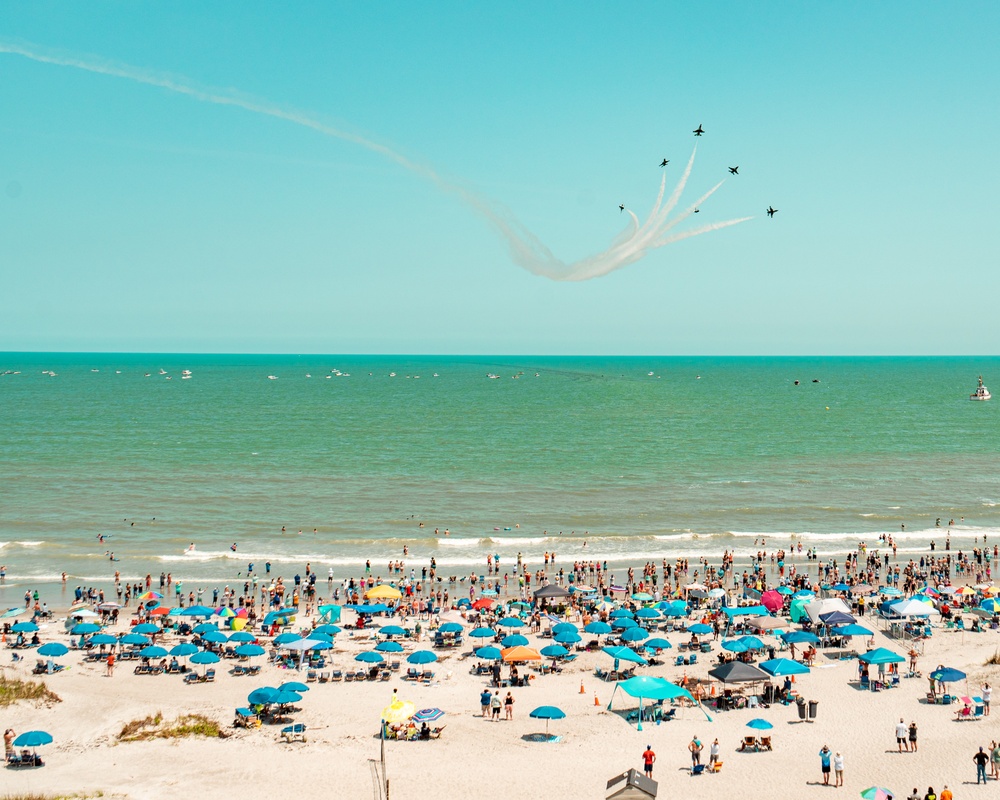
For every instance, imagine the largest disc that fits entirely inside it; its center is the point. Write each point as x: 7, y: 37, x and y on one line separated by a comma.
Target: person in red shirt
x: 648, y: 757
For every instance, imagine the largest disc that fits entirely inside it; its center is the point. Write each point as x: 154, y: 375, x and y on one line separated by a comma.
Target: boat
x: 981, y: 393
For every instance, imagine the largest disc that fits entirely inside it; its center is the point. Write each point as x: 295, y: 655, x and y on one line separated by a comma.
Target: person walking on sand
x: 901, y: 734
x: 981, y: 760
x: 648, y: 757
x: 695, y: 747
x: 838, y: 769
x: 824, y: 763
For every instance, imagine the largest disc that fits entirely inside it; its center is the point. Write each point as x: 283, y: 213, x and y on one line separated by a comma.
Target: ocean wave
x: 461, y: 541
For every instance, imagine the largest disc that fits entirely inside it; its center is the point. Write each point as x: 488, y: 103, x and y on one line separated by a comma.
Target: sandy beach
x: 342, y: 721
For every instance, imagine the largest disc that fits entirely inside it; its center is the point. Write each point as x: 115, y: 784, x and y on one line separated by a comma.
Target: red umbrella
x: 772, y: 600
x: 483, y: 602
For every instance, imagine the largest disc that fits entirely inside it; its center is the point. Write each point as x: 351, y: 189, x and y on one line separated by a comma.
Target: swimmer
x: 233, y: 547
x: 191, y: 547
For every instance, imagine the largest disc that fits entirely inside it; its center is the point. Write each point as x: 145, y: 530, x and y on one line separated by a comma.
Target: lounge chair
x: 348, y: 678
x: 324, y: 677
x: 209, y: 675
x: 697, y: 769
x: 294, y: 733
x: 680, y: 661
x: 192, y: 677
x: 693, y: 659
x: 311, y: 676
x: 716, y: 767
x: 336, y: 676
x: 412, y: 674
x: 238, y: 669
x: 436, y: 732
x: 765, y: 743
x: 384, y: 675
x: 252, y: 670
x: 394, y: 666
x: 427, y: 676
x: 749, y: 743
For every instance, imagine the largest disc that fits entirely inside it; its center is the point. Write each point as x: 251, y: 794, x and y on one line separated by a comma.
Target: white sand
x: 477, y: 757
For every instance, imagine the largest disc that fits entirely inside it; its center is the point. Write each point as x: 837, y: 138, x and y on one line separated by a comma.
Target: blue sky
x: 137, y: 219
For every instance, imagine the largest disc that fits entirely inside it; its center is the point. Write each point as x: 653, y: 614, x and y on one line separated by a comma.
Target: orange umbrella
x: 159, y: 611
x: 520, y: 653
x: 483, y: 602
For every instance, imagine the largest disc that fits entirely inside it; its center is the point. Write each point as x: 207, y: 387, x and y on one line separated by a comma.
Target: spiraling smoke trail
x: 526, y: 249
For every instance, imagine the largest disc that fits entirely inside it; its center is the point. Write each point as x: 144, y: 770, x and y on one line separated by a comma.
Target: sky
x: 362, y: 217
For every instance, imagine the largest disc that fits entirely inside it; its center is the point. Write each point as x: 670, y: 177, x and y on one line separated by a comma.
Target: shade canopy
x: 943, y: 675
x: 33, y: 739
x: 550, y: 591
x: 547, y: 712
x: 738, y: 672
x: 422, y: 657
x: 521, y: 653
x: 624, y: 654
x: 881, y: 656
x: 383, y: 592
x: 783, y: 666
x: 650, y: 688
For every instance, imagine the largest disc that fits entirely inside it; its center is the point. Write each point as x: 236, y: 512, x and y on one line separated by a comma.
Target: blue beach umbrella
x: 752, y: 643
x: 84, y: 628
x: 991, y: 605
x: 623, y: 623
x: 564, y: 627
x: 785, y: 590
x: 103, y: 638
x: 333, y: 630
x: 204, y: 627
x: 33, y: 739
x: 282, y: 697
x: 24, y: 627
x: 262, y: 696
x: 451, y: 627
x: 547, y: 713
x: 183, y: 650
x: 422, y: 657
x: 389, y: 630
x: 554, y: 651
x: 153, y: 651
x: 249, y: 650
x: 634, y: 634
x: 648, y: 613
x: 659, y: 643
x: 511, y: 622
x: 369, y: 657
x: 759, y: 724
x: 389, y: 647
x: 514, y: 640
x: 197, y: 611
x: 428, y: 715
x: 483, y: 633
x: 241, y: 637
x: 134, y: 639
x: 204, y: 657
x: 293, y: 686
x: 53, y: 649
x: 734, y: 646
x: 618, y: 613
x: 214, y: 637
x: 284, y: 638
x: 699, y: 629
x: 568, y: 637
x: 146, y: 628
x: 598, y: 628
x: 489, y: 653
x: 943, y: 675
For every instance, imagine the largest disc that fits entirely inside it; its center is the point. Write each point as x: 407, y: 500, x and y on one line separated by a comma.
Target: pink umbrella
x: 772, y: 600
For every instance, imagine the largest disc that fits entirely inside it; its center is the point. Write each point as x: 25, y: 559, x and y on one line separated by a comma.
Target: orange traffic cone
x: 596, y: 701
x: 582, y: 690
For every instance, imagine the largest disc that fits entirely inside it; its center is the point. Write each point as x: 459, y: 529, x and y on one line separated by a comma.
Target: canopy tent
x: 912, y: 608
x: 817, y: 608
x: 746, y: 611
x: 738, y: 672
x: 646, y: 687
x: 881, y: 656
x: 383, y: 592
x: 837, y: 618
x: 783, y: 666
x: 550, y: 591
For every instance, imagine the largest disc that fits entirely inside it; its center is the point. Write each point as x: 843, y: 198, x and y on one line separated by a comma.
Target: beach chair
x: 311, y: 676
x: 384, y: 675
x: 765, y: 743
x: 238, y: 670
x: 427, y: 676
x: 360, y: 676
x: 394, y: 666
x: 412, y: 674
x: 252, y: 670
x: 294, y: 733
x: 324, y: 677
x: 436, y: 732
x: 209, y: 675
x: 680, y: 661
x: 693, y: 659
x: 336, y: 676
x: 946, y: 699
x: 980, y: 709
x: 749, y: 743
x: 349, y: 677
x: 697, y: 769
x: 716, y: 767
x: 192, y: 677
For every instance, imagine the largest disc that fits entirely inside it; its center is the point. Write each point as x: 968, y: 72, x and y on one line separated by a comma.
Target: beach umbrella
x: 772, y: 600
x: 153, y: 651
x: 489, y: 653
x: 550, y: 591
x: 183, y: 650
x: 753, y: 643
x: 621, y: 612
x: 568, y: 637
x: 877, y: 793
x: 24, y: 627
x: 398, y: 711
x: 369, y: 657
x: 225, y: 612
x: 13, y: 612
x: 520, y: 604
x: 451, y: 627
x: 990, y: 605
x: 53, y: 649
x: 623, y: 623
x: 943, y: 675
x: 851, y: 630
x: 647, y: 613
x: 85, y: 628
x: 428, y: 715
x: 734, y: 646
x: 520, y: 653
x: 511, y: 622
x: 634, y: 634
x: 890, y: 591
x: 483, y: 633
x: 554, y: 651
x: 564, y: 627
x: 422, y: 657
x: 514, y: 640
x: 840, y: 587
x: 759, y: 724
x: 242, y: 637
x: 881, y: 656
x: 785, y: 590
x: 146, y: 628
x: 699, y: 629
x: 103, y: 638
x: 33, y: 739
x: 642, y: 597
x: 659, y: 643
x: 489, y: 593
x: 383, y: 592
x: 389, y: 647
x: 598, y: 628
x: 783, y: 666
x: 800, y: 637
x: 282, y: 697
x: 716, y: 593
x: 249, y: 650
x: 284, y: 638
x: 159, y: 611
x: 262, y: 696
x: 483, y: 603
x: 135, y: 639
x: 333, y: 630
x: 214, y: 636
x: 204, y: 627
x: 145, y: 597
x: 385, y: 630
x: 205, y: 657
x: 804, y: 594
x: 293, y: 686
x: 912, y: 608
x: 280, y: 617
x: 197, y: 611
x: 547, y: 713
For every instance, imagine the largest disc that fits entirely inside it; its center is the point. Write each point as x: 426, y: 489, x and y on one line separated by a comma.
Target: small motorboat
x: 981, y: 393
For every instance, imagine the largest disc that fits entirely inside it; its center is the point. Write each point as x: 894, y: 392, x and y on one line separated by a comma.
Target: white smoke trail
x: 526, y: 249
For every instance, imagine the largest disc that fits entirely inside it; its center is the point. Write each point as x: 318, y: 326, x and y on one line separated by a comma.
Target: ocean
x: 618, y: 459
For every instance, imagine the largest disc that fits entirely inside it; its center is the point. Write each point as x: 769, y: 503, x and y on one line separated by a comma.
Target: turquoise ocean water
x: 612, y: 461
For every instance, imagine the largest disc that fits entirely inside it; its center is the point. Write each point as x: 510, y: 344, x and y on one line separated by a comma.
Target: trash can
x: 812, y: 708
x: 801, y: 703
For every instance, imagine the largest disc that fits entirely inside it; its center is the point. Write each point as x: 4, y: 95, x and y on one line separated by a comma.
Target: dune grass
x: 11, y: 691
x: 155, y: 727
x: 993, y: 660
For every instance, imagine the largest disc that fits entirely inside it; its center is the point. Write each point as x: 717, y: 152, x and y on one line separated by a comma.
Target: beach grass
x: 154, y: 727
x: 11, y: 691
x: 993, y: 660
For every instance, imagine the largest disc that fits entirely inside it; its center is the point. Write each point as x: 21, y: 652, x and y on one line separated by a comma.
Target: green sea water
x: 624, y: 459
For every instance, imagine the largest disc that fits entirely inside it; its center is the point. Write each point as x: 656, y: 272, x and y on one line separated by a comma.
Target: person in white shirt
x: 838, y: 768
x: 901, y: 733
x: 713, y: 754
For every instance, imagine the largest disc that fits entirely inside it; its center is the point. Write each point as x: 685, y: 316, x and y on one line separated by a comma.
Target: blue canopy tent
x: 646, y: 687
x: 881, y: 656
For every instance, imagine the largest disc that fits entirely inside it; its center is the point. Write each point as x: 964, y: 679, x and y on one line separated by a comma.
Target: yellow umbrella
x: 965, y: 590
x: 383, y: 592
x: 520, y: 653
x: 398, y: 711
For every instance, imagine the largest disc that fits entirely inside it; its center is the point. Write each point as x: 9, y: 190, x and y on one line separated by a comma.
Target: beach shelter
x: 817, y: 608
x: 737, y: 672
x: 779, y: 667
x: 836, y: 618
x: 521, y: 653
x: 912, y: 608
x: 991, y: 605
x: 646, y: 687
x: 851, y: 630
x: 383, y: 592
x: 547, y: 713
x: 624, y: 654
x: 767, y: 623
x: 800, y: 637
x: 746, y: 611
x: 881, y: 655
x: 550, y: 591
x: 329, y: 612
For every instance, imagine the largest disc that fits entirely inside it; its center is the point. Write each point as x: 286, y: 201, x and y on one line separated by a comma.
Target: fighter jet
x: 734, y: 170
x: 621, y: 208
x: 698, y: 131
x: 664, y: 163
x: 771, y: 211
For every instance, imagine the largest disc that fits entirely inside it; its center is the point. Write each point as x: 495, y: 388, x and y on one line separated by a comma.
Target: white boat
x: 981, y: 393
